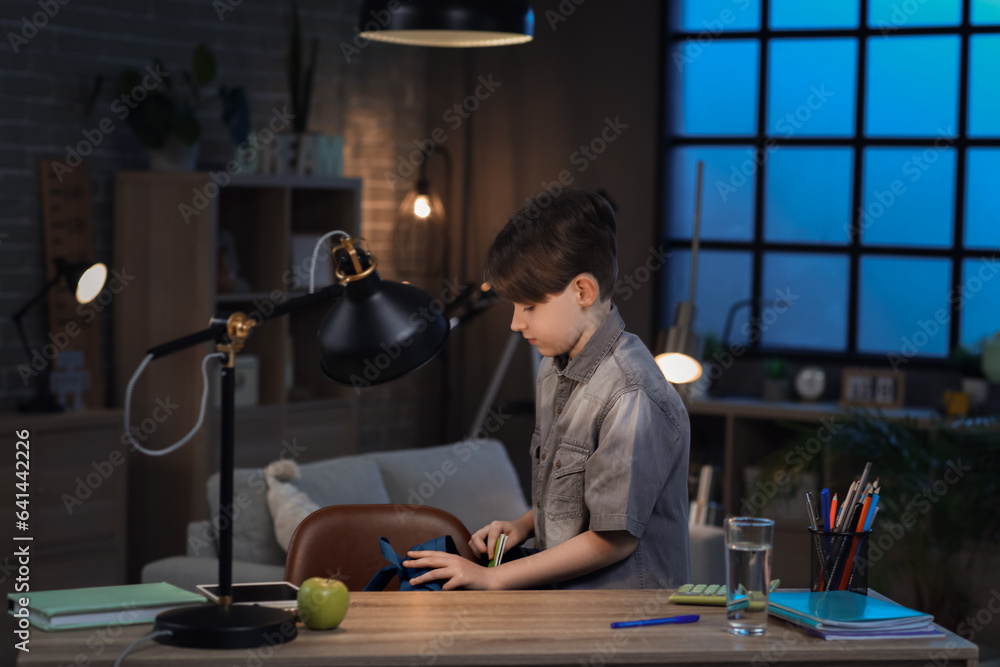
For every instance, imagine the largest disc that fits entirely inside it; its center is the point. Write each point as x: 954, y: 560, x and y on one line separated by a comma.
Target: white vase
x: 977, y: 389
x: 174, y: 156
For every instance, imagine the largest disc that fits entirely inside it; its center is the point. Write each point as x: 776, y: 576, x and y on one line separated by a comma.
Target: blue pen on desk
x: 656, y: 621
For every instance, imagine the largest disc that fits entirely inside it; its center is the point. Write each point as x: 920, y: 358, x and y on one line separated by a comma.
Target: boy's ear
x: 585, y: 290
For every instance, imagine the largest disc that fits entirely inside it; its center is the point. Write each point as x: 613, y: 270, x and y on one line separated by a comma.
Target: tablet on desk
x: 278, y: 594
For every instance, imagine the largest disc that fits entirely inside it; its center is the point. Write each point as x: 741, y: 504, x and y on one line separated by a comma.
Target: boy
x: 609, y: 453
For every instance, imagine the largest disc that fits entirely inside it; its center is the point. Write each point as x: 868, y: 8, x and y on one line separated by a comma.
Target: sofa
x: 472, y: 479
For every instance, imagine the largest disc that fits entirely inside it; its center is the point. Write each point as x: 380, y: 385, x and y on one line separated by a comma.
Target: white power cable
x: 144, y: 638
x: 201, y: 414
x: 312, y: 269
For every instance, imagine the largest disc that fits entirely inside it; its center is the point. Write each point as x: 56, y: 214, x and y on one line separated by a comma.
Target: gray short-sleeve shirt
x: 610, y: 452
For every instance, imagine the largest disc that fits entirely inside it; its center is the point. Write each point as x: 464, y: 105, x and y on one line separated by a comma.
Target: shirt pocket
x: 564, y: 499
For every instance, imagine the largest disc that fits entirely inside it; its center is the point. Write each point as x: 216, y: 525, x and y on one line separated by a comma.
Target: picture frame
x: 873, y: 388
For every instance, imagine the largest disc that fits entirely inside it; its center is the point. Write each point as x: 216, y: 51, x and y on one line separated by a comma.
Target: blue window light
x: 903, y: 302
x: 812, y: 87
x: 912, y: 86
x: 718, y: 87
x: 908, y: 196
x: 815, y: 287
x: 807, y: 197
x: 728, y: 192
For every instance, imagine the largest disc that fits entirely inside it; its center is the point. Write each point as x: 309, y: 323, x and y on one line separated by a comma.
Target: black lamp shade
x: 452, y: 23
x: 380, y: 330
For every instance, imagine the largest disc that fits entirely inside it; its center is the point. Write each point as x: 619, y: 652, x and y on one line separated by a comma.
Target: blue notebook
x: 844, y: 610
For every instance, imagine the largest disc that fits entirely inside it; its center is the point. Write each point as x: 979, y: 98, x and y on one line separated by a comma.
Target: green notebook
x: 87, y: 607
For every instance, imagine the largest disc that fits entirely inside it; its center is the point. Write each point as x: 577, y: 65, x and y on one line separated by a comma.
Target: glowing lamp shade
x: 448, y: 23
x: 91, y: 283
x: 677, y: 348
x: 678, y: 368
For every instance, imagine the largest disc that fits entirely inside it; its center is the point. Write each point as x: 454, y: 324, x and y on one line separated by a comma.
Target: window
x: 851, y: 154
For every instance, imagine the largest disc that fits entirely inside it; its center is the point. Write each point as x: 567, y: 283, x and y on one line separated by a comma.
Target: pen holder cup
x: 839, y: 561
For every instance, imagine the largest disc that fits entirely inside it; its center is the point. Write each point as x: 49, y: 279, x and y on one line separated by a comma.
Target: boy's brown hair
x: 544, y: 246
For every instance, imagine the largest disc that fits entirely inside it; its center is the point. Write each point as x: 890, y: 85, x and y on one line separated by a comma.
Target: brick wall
x: 376, y: 101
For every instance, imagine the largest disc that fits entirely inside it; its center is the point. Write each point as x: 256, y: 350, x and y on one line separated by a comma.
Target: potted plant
x: 777, y: 380
x: 297, y: 152
x: 165, y: 118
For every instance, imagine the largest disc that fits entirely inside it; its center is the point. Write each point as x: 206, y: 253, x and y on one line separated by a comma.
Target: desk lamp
x: 369, y: 315
x: 86, y: 279
x: 453, y: 23
x: 677, y: 348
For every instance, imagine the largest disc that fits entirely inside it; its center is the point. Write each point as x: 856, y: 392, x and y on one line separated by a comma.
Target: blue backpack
x: 385, y: 575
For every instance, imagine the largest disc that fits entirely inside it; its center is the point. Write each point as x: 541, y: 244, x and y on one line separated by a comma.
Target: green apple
x: 322, y: 602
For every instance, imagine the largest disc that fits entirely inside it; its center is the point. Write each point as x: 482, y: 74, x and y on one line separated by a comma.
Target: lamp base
x: 225, y: 626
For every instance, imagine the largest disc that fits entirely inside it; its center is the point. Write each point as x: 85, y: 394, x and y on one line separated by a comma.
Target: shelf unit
x: 174, y: 292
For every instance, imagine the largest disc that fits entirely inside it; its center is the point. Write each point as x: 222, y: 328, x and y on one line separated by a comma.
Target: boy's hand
x: 460, y: 572
x: 485, y: 539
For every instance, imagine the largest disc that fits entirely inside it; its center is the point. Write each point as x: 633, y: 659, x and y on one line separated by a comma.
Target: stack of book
x: 848, y: 615
x: 106, y: 605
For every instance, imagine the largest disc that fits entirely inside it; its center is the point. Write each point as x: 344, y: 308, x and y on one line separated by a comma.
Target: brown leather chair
x: 341, y: 541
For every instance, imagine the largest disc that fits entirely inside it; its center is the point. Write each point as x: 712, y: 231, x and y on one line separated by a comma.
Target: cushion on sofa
x: 348, y: 479
x: 472, y: 479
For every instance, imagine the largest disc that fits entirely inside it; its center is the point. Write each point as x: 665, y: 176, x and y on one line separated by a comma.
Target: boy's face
x: 555, y: 326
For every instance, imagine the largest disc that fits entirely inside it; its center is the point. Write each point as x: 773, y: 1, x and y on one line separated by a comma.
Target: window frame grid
x: 757, y: 247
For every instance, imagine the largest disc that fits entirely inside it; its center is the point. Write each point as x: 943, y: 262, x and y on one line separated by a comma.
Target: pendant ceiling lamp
x: 451, y: 23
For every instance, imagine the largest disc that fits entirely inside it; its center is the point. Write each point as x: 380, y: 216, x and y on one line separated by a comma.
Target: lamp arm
x: 217, y: 327
x: 733, y: 310
x: 20, y: 312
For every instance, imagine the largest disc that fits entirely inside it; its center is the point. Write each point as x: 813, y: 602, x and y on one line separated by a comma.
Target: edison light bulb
x: 422, y: 206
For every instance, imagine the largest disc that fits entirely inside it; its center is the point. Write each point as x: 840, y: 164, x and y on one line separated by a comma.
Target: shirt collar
x: 582, y: 366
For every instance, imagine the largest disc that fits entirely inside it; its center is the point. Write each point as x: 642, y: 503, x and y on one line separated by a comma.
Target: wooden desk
x: 510, y: 628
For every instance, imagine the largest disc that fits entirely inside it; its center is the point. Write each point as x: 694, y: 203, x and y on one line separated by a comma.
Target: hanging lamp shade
x: 380, y: 329
x: 451, y: 23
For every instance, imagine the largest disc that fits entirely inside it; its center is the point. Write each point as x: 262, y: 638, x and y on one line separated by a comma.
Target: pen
x: 656, y: 621
x: 825, y: 508
x: 811, y: 511
x: 872, y: 511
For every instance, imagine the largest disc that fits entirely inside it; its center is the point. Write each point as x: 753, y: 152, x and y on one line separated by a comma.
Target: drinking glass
x: 748, y: 571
